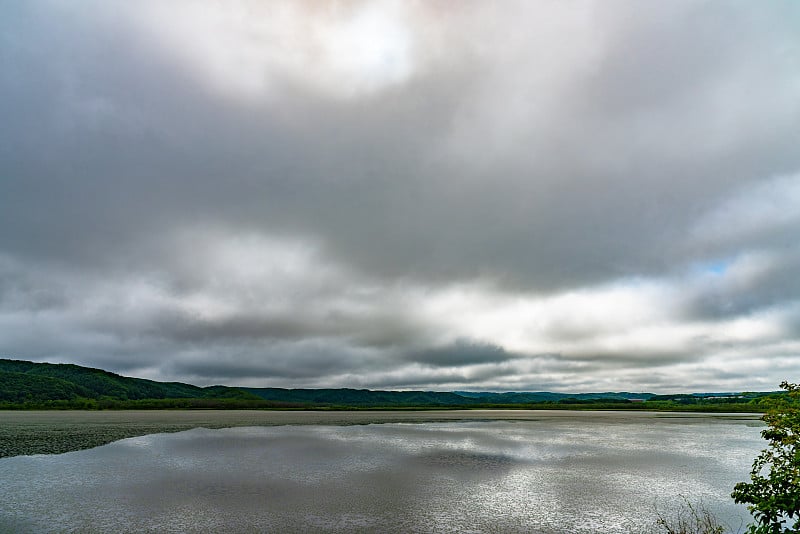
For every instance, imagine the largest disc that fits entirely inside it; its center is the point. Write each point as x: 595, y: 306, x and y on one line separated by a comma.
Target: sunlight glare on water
x: 555, y: 474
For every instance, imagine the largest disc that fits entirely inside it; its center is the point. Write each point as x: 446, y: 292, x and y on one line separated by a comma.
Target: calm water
x: 545, y: 472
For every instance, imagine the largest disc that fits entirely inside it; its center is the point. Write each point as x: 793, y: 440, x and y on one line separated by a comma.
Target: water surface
x: 541, y: 472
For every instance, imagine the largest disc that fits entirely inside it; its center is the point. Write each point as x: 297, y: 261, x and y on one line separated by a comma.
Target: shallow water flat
x: 55, y: 432
x: 477, y: 472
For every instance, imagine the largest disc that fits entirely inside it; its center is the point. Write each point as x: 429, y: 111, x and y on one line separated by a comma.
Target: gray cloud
x: 462, y: 352
x: 259, y: 204
x: 776, y: 286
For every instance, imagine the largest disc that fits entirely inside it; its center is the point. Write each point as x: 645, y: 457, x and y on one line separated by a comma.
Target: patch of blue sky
x: 715, y: 267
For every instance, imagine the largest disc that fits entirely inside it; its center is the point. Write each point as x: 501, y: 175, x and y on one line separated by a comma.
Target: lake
x: 473, y: 471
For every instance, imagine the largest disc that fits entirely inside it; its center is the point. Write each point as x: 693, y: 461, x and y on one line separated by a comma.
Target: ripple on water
x: 561, y: 475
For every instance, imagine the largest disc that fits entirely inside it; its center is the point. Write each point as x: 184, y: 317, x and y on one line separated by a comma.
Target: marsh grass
x: 690, y: 518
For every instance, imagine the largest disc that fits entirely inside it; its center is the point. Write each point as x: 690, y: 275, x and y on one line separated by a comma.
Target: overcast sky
x: 548, y: 195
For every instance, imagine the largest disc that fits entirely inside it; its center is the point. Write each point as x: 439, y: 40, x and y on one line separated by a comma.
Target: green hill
x: 22, y: 387
x: 28, y: 382
x: 513, y: 397
x: 363, y: 397
x: 29, y: 385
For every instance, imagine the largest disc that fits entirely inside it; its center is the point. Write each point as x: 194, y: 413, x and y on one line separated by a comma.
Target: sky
x: 552, y: 195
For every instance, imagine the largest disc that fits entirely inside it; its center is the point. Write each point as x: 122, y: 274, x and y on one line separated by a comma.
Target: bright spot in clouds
x: 370, y: 49
x: 342, y: 49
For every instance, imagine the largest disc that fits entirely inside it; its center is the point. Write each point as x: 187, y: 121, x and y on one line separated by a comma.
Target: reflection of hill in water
x: 581, y: 474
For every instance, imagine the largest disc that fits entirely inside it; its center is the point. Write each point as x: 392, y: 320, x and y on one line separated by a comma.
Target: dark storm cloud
x: 269, y: 362
x: 533, y: 152
x: 463, y: 352
x: 293, y: 324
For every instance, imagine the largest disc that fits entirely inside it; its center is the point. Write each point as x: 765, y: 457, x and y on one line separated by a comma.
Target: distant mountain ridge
x: 365, y: 397
x: 362, y: 397
x: 513, y: 397
x: 22, y: 381
x: 25, y: 383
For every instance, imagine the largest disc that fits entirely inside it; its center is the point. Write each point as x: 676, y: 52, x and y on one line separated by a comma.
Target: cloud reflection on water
x: 554, y: 475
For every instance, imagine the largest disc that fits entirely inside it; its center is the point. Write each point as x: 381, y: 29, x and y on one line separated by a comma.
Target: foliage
x: 44, y: 385
x: 773, y: 495
x: 20, y: 387
x: 363, y: 398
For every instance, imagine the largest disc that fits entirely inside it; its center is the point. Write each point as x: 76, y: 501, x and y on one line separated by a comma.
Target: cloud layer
x: 566, y: 195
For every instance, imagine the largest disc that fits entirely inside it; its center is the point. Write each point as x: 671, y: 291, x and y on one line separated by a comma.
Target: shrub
x: 773, y: 495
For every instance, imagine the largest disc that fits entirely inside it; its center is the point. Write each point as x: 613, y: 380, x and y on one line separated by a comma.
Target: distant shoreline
x: 26, y: 385
x: 124, y: 407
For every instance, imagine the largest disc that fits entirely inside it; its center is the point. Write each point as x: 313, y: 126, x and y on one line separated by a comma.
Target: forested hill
x: 30, y: 385
x: 362, y: 397
x: 28, y: 382
x: 365, y: 397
